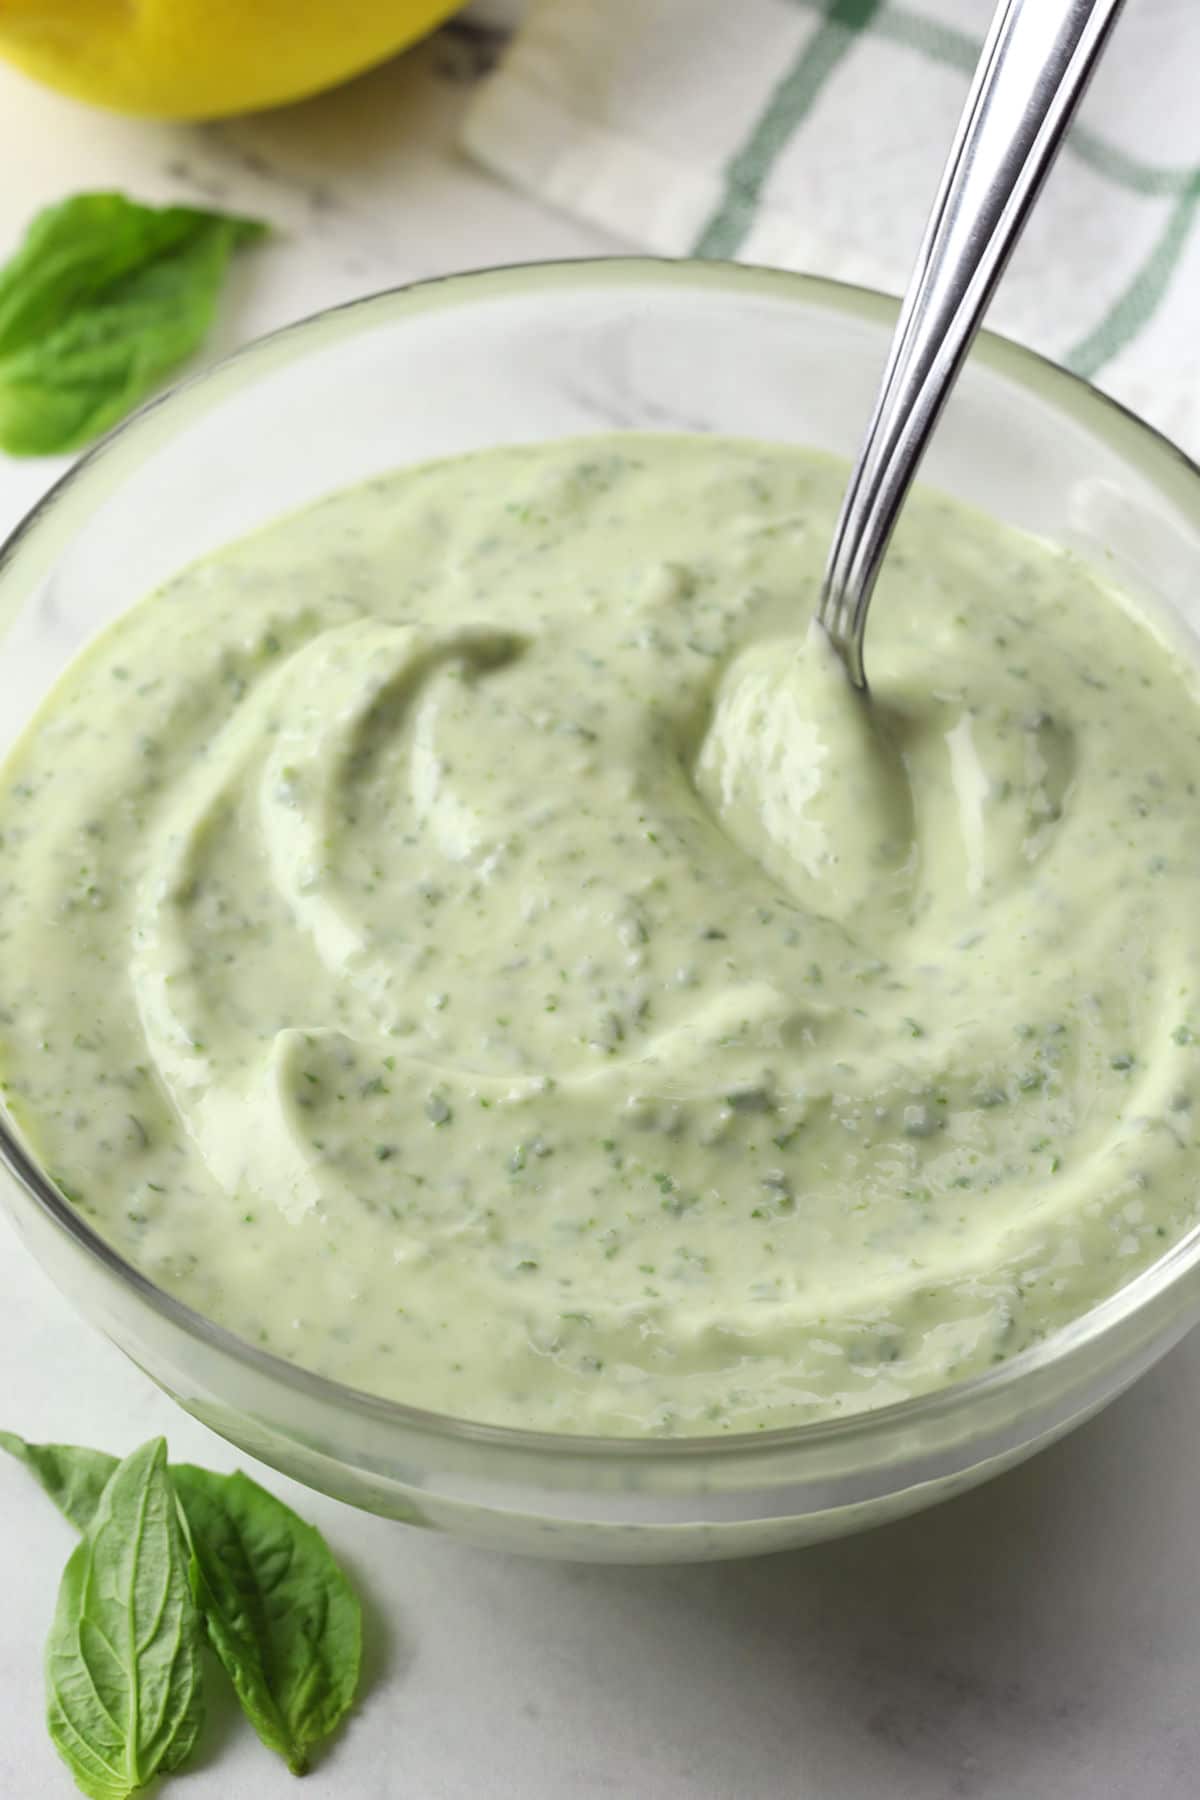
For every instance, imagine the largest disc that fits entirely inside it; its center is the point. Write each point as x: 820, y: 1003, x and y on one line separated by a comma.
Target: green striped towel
x: 810, y: 134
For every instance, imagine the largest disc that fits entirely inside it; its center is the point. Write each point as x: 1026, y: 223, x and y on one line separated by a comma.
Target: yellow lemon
x: 197, y: 59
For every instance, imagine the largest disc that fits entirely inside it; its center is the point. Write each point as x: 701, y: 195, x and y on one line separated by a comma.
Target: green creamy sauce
x: 470, y: 940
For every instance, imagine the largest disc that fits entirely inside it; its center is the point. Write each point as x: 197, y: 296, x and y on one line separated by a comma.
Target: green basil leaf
x: 281, y: 1616
x: 73, y: 1476
x: 74, y: 250
x: 103, y: 298
x: 123, y: 1679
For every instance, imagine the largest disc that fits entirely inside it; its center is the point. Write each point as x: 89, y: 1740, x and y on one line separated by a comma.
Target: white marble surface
x: 1038, y: 1640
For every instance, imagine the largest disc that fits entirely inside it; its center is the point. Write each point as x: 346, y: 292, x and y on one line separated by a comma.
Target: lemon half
x: 199, y: 59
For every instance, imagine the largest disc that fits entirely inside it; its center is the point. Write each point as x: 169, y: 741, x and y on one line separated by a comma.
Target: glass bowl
x: 536, y: 353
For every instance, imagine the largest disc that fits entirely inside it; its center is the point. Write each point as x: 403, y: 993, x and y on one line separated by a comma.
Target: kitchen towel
x: 810, y: 134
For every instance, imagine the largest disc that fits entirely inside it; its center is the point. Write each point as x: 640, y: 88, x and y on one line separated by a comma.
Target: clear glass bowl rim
x: 1159, y: 460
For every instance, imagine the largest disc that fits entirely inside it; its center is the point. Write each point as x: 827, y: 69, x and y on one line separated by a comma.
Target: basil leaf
x: 281, y: 1616
x: 124, y: 1695
x: 75, y: 249
x: 103, y: 298
x: 73, y: 1476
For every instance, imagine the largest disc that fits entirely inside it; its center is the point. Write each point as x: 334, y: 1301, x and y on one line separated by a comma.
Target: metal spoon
x: 1032, y: 73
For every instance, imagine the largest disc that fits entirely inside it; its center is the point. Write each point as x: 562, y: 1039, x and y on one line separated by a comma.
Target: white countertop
x: 1037, y: 1640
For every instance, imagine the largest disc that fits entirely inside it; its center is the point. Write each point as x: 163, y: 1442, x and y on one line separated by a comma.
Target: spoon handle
x: 1032, y: 73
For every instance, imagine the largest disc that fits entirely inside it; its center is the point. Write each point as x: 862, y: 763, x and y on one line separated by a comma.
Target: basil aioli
x: 470, y: 939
